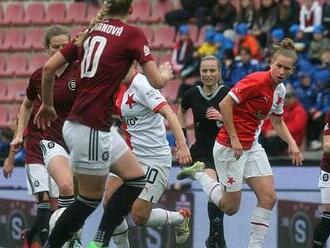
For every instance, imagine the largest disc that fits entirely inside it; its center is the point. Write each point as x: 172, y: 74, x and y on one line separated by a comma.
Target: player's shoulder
x: 140, y: 81
x: 193, y: 91
x: 281, y: 88
x: 37, y: 74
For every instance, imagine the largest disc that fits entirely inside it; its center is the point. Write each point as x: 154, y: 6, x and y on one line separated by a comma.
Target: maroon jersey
x: 325, y: 162
x: 64, y: 94
x: 105, y: 58
x: 32, y: 137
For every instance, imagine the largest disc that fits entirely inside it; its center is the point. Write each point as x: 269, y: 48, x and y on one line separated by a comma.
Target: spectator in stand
x: 265, y: 21
x: 245, y: 13
x: 240, y: 68
x: 310, y: 15
x: 317, y: 45
x: 277, y: 35
x: 288, y: 14
x: 300, y: 41
x: 321, y: 72
x: 223, y: 15
x: 198, y: 9
x: 223, y: 44
x: 295, y: 118
x: 183, y: 49
x: 246, y: 40
x: 326, y: 16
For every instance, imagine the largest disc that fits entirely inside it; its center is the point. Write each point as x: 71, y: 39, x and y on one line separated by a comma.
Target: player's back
x: 108, y: 53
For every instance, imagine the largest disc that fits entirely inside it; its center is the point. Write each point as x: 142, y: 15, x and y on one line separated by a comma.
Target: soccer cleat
x: 182, y: 230
x: 93, y: 244
x: 75, y: 242
x: 26, y: 243
x: 190, y: 171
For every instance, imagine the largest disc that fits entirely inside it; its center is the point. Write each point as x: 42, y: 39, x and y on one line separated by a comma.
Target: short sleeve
x: 139, y: 47
x: 277, y: 108
x: 70, y: 52
x: 246, y: 88
x: 327, y: 124
x: 149, y: 96
x: 31, y: 89
x: 186, y: 100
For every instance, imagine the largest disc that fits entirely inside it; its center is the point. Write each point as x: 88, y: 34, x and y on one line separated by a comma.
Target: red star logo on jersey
x: 230, y: 180
x: 130, y: 101
x: 279, y: 100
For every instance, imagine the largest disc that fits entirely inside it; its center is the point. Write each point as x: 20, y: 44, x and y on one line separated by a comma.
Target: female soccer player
x: 106, y: 51
x: 237, y: 154
x: 142, y: 109
x: 204, y: 101
x: 322, y: 230
x: 54, y: 164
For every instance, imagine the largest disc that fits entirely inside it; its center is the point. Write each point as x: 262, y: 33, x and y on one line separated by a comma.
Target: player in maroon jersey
x: 322, y: 230
x: 238, y: 156
x: 106, y: 51
x: 39, y: 167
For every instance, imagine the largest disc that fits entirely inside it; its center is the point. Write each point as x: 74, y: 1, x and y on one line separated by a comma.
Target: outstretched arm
x: 283, y: 131
x: 183, y: 153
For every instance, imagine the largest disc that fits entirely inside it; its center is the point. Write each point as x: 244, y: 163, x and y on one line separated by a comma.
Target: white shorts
x: 324, y: 184
x: 92, y: 151
x: 38, y: 180
x: 156, y: 182
x: 50, y: 149
x: 232, y: 173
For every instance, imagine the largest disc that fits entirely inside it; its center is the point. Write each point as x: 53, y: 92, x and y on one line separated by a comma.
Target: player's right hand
x: 166, y: 70
x: 8, y: 167
x: 237, y: 147
x: 16, y: 144
x: 44, y: 117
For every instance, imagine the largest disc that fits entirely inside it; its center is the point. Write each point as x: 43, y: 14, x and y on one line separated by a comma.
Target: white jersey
x: 147, y: 134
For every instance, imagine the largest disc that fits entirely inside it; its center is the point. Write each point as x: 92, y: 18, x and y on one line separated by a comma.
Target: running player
x: 106, y: 51
x: 322, y: 230
x: 237, y: 154
x: 143, y: 109
x: 39, y: 182
x: 204, y: 101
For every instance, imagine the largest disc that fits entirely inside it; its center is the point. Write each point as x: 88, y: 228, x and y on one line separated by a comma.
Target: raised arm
x: 158, y: 77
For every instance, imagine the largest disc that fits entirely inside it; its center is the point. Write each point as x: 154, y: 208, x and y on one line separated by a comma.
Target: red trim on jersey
x: 275, y: 114
x: 259, y: 224
x: 159, y: 106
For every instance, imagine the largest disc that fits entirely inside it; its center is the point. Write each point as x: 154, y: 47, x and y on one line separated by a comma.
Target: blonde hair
x: 285, y: 48
x: 212, y: 57
x: 52, y: 31
x: 109, y: 7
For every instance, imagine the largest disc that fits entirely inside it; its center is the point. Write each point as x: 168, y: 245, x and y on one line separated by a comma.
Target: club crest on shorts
x: 36, y: 183
x: 72, y: 84
x: 51, y: 145
x: 105, y: 156
x: 325, y: 177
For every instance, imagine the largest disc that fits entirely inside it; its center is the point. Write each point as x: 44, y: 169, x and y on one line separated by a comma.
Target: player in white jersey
x: 143, y: 109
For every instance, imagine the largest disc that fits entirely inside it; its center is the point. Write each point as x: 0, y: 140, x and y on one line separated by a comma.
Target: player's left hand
x: 213, y: 114
x: 183, y: 154
x: 45, y: 115
x: 296, y: 155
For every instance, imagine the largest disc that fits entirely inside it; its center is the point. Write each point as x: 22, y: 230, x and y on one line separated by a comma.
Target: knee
x: 229, y: 208
x: 65, y: 188
x: 268, y: 200
x: 139, y: 218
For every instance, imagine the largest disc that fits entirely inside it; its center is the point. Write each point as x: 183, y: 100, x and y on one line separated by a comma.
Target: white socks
x: 160, y: 217
x: 120, y: 235
x: 259, y: 227
x: 211, y: 187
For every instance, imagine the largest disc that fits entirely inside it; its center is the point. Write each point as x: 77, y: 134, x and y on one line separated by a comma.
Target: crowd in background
x: 242, y: 37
